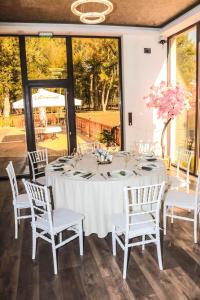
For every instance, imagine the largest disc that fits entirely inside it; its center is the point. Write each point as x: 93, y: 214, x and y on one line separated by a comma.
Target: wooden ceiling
x: 150, y: 13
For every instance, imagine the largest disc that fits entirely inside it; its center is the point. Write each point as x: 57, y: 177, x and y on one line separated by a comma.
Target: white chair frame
x: 38, y: 160
x: 141, y: 203
x: 191, y: 203
x: 44, y: 221
x: 185, y: 156
x: 20, y: 201
x: 142, y: 147
x: 87, y: 148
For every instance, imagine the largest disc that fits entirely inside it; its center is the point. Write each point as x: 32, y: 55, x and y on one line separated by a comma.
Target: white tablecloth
x: 98, y: 198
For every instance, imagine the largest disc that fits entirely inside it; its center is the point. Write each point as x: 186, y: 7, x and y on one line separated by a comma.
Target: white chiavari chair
x: 141, y: 219
x: 142, y: 147
x: 47, y: 223
x: 20, y: 201
x: 185, y: 201
x: 87, y: 148
x: 38, y: 161
x: 181, y: 179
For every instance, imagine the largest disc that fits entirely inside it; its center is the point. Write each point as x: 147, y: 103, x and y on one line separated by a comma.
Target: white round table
x: 98, y: 198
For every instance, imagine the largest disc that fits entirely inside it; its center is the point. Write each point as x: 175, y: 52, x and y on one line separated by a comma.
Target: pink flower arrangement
x: 169, y: 101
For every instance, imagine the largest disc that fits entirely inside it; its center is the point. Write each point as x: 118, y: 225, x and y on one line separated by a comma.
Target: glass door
x: 49, y: 107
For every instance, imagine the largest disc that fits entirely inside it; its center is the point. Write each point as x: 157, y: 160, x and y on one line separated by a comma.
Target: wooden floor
x: 96, y: 275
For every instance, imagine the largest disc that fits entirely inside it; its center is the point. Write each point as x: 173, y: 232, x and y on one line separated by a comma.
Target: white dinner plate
x: 76, y: 174
x: 121, y: 173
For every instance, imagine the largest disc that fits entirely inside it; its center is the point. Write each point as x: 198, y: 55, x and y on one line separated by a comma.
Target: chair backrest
x: 142, y: 147
x: 184, y: 160
x: 39, y: 200
x: 88, y: 148
x: 143, y: 200
x: 13, y: 181
x: 197, y: 193
x: 38, y: 160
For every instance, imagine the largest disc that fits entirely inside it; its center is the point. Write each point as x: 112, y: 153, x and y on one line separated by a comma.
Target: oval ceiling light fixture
x: 92, y: 17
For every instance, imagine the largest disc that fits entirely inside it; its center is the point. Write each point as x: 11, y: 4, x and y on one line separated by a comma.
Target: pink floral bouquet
x: 169, y: 101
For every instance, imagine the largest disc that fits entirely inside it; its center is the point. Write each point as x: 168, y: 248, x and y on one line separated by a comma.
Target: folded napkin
x: 63, y: 160
x: 58, y: 169
x: 146, y: 168
x: 151, y: 159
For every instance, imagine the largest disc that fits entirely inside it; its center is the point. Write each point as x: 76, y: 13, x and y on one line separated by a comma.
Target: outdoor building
x: 106, y: 93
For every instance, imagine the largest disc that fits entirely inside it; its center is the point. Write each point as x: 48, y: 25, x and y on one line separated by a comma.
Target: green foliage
x: 46, y: 58
x: 107, y: 137
x: 96, y: 72
x: 10, y: 70
x: 186, y: 60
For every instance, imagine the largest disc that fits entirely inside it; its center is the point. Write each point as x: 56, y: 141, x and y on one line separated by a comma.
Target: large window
x: 58, y: 113
x: 183, y: 66
x: 97, y: 89
x: 12, y: 121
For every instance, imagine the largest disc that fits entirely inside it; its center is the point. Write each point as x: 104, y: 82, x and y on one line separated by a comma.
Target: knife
x: 135, y: 172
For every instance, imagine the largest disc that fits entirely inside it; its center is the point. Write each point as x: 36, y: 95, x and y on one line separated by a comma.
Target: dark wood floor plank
x: 117, y: 287
x: 159, y: 280
x: 91, y: 278
x: 28, y: 281
x: 10, y: 249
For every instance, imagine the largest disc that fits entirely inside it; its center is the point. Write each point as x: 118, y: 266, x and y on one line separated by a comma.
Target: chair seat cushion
x: 41, y: 180
x: 180, y: 199
x: 175, y: 182
x: 119, y: 220
x: 62, y: 219
x: 22, y: 201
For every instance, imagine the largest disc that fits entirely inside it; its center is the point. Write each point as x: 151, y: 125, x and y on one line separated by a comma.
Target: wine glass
x: 127, y: 158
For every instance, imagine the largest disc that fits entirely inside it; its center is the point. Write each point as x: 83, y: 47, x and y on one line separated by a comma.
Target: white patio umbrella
x: 44, y: 98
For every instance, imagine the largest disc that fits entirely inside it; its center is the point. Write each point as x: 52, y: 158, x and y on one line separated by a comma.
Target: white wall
x: 140, y: 70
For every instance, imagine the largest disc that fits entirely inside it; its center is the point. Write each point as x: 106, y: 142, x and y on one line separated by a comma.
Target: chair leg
x: 18, y: 214
x: 81, y: 238
x: 143, y: 245
x: 165, y: 219
x: 159, y: 253
x: 60, y: 237
x: 54, y: 256
x: 125, y: 261
x: 16, y: 223
x: 113, y: 241
x: 33, y: 244
x: 188, y: 188
x: 172, y: 214
x: 195, y: 227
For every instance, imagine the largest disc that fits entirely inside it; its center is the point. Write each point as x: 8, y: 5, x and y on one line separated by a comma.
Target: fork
x: 103, y: 176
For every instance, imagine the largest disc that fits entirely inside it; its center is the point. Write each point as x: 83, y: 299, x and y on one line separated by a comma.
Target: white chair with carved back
x: 20, y: 201
x: 87, y: 148
x: 47, y: 223
x: 38, y: 161
x: 184, y: 201
x: 181, y: 179
x: 142, y: 147
x: 141, y: 219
